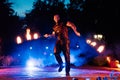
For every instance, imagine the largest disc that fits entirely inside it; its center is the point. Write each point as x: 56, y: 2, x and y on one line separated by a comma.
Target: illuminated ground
x: 50, y: 73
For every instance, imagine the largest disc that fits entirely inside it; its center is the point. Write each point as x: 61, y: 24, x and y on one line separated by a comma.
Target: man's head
x: 56, y: 18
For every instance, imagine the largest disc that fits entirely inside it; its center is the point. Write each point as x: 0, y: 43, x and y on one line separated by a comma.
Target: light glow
x: 19, y: 40
x: 28, y: 35
x: 93, y: 44
x: 88, y: 41
x: 117, y: 63
x: 100, y: 48
x: 108, y: 59
x: 99, y: 36
x: 35, y: 36
x: 46, y: 35
x: 32, y: 63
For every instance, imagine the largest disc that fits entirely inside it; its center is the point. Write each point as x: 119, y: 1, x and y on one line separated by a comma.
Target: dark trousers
x: 64, y: 47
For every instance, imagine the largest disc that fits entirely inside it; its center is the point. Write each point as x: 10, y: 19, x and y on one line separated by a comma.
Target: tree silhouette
x: 41, y: 15
x: 101, y: 15
x: 88, y: 15
x: 8, y: 24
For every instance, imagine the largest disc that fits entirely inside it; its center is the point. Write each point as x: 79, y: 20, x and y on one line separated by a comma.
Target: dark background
x: 90, y: 16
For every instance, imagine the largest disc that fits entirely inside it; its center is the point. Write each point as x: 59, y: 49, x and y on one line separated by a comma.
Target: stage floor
x: 50, y: 73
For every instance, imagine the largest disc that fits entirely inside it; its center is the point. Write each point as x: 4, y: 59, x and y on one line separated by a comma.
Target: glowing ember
x: 108, y: 59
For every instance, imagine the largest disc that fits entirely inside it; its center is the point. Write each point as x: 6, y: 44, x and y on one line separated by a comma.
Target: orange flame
x: 100, y: 48
x: 19, y: 40
x: 28, y: 36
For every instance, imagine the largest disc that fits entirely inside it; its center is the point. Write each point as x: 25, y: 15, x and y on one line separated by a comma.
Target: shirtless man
x: 63, y: 42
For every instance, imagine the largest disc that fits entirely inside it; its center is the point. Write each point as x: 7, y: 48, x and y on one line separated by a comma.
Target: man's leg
x: 67, y: 67
x: 67, y: 59
x: 60, y: 62
x: 57, y: 52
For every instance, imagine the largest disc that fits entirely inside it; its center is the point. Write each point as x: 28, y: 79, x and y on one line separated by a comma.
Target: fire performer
x: 60, y: 30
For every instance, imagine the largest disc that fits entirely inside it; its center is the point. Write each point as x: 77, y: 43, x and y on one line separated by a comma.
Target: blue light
x: 18, y: 54
x: 46, y: 47
x: 77, y: 46
x: 44, y: 55
x: 30, y: 47
x: 51, y: 54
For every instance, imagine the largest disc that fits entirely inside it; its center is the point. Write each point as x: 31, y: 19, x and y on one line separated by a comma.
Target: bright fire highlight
x: 28, y: 36
x: 100, y: 48
x: 19, y: 40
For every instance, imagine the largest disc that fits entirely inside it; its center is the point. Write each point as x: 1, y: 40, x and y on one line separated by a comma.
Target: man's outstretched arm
x: 71, y: 25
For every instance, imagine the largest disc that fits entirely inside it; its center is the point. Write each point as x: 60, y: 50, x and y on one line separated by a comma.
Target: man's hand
x: 71, y: 25
x: 78, y: 34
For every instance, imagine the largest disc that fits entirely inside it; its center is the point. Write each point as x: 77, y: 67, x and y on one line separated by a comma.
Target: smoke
x: 42, y: 50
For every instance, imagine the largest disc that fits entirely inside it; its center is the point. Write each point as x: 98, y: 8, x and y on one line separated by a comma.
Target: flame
x: 108, y: 59
x: 93, y: 44
x: 100, y: 48
x: 88, y: 41
x: 35, y: 36
x: 113, y: 63
x: 19, y: 40
x: 117, y: 63
x: 28, y: 36
x: 99, y: 36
